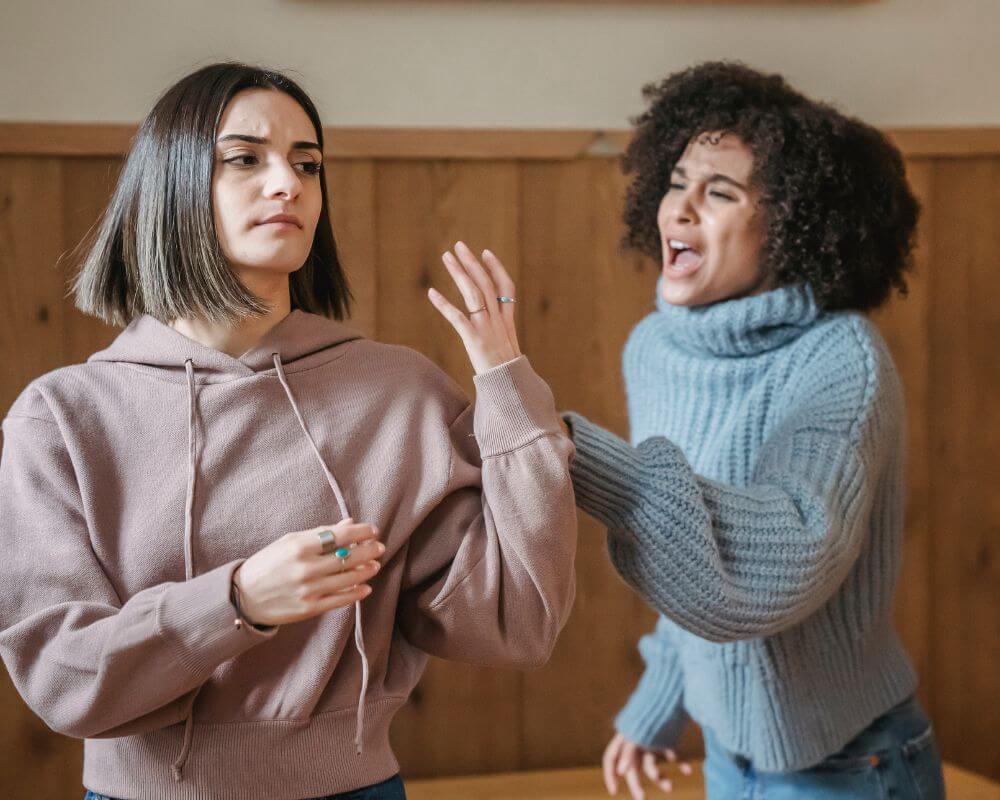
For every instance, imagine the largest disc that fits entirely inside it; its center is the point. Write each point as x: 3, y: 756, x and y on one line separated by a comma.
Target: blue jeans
x: 894, y: 757
x: 391, y: 789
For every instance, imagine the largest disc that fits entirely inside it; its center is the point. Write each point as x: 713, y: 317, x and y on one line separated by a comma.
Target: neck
x: 235, y: 338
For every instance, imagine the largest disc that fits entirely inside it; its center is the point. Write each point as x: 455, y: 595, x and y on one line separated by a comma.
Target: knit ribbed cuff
x: 654, y: 715
x: 513, y: 407
x: 604, y: 471
x: 199, y: 618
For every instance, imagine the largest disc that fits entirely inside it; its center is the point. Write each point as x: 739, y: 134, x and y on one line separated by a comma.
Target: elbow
x: 536, y: 643
x: 530, y: 656
x: 72, y: 725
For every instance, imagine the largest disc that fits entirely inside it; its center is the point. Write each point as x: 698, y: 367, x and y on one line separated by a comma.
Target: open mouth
x: 682, y: 258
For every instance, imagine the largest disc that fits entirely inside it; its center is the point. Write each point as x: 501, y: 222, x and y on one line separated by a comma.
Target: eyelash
x: 311, y: 167
x: 714, y: 194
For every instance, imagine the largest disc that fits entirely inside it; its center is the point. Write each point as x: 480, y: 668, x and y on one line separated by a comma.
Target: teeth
x: 677, y: 245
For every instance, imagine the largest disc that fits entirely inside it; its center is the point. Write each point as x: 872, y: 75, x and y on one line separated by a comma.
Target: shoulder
x: 842, y: 367
x: 410, y: 376
x: 39, y: 399
x: 642, y: 335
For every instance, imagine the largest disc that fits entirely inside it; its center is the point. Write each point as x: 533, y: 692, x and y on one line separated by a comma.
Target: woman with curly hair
x: 759, y: 505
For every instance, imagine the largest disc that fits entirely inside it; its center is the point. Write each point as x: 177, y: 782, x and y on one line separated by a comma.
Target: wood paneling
x: 107, y: 139
x: 555, y: 223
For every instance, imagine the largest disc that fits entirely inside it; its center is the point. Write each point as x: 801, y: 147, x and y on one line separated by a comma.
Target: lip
x: 282, y: 219
x: 671, y: 253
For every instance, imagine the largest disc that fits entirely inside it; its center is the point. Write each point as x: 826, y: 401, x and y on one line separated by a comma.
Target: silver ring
x: 328, y: 541
x: 476, y: 311
x: 505, y: 299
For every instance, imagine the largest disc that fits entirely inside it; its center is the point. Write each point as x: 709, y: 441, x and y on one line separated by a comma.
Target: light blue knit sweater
x: 759, y: 509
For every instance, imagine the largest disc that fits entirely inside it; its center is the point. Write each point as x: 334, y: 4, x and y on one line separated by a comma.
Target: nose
x: 679, y: 208
x: 282, y: 181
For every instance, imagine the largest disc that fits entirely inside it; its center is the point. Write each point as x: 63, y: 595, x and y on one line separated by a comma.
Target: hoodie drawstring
x: 178, y: 766
x: 359, y: 640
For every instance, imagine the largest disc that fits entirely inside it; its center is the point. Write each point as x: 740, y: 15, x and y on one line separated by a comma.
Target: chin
x: 677, y: 294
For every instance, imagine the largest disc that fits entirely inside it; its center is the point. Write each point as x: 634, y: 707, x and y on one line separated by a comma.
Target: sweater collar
x: 743, y: 326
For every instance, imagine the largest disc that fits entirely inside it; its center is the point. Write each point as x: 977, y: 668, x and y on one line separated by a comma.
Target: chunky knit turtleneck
x: 759, y: 509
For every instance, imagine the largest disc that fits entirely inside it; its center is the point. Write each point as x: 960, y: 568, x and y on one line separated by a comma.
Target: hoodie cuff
x: 200, y: 619
x: 513, y: 408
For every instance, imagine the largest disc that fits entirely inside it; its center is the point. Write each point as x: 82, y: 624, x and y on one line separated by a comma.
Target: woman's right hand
x: 291, y: 580
x: 626, y: 759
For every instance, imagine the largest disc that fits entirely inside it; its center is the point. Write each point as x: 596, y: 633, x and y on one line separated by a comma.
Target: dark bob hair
x: 156, y: 252
x: 840, y: 216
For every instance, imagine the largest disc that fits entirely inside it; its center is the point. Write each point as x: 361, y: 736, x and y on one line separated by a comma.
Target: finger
x: 457, y: 319
x: 625, y: 757
x: 634, y: 784
x: 331, y: 564
x: 670, y: 755
x: 345, y: 534
x: 478, y: 273
x: 608, y: 765
x: 649, y: 766
x: 344, y: 598
x: 505, y: 287
x: 471, y: 293
x: 347, y: 579
x: 685, y: 768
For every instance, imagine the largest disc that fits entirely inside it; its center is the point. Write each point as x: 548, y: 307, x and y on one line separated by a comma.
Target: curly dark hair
x: 840, y: 215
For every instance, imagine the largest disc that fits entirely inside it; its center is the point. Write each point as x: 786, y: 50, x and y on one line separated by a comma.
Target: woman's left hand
x: 487, y: 330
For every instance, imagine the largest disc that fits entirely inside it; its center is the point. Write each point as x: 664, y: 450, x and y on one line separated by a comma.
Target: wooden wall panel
x: 423, y: 209
x: 555, y: 224
x: 964, y: 446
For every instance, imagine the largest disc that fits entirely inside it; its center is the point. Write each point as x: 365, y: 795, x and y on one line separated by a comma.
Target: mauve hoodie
x: 132, y: 486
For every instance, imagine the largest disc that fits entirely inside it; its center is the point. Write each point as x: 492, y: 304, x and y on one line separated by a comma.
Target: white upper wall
x: 499, y: 63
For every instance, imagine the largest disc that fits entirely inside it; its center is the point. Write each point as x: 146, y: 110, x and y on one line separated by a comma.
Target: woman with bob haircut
x: 759, y: 505
x: 199, y: 520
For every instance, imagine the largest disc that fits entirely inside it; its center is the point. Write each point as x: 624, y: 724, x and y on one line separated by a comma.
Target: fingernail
x: 487, y: 253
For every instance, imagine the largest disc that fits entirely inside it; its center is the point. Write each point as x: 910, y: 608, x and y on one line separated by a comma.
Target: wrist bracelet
x: 234, y: 598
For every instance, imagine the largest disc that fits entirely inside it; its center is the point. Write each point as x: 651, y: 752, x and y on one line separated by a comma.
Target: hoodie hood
x: 303, y: 340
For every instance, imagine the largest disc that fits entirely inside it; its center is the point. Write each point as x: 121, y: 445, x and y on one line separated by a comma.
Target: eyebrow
x: 716, y: 177
x: 258, y: 140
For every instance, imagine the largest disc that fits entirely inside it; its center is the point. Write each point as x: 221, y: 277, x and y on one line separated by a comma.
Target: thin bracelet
x: 241, y: 620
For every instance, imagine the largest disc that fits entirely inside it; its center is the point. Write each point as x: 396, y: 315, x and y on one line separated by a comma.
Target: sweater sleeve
x: 654, y: 715
x: 490, y: 574
x: 734, y: 562
x: 89, y: 664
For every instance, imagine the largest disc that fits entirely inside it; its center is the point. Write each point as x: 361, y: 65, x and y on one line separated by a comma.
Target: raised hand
x: 487, y: 329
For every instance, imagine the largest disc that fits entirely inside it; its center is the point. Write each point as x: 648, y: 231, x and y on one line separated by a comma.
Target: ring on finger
x: 477, y: 310
x: 328, y: 542
x: 505, y: 299
x: 342, y: 554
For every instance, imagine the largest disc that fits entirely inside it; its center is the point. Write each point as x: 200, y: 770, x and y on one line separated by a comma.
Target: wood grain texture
x: 587, y: 784
x: 555, y: 223
x: 422, y: 144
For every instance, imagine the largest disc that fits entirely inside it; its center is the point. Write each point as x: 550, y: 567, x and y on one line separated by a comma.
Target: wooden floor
x: 586, y: 784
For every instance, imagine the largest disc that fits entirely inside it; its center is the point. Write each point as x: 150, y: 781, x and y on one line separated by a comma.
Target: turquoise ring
x: 505, y: 299
x: 342, y: 553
